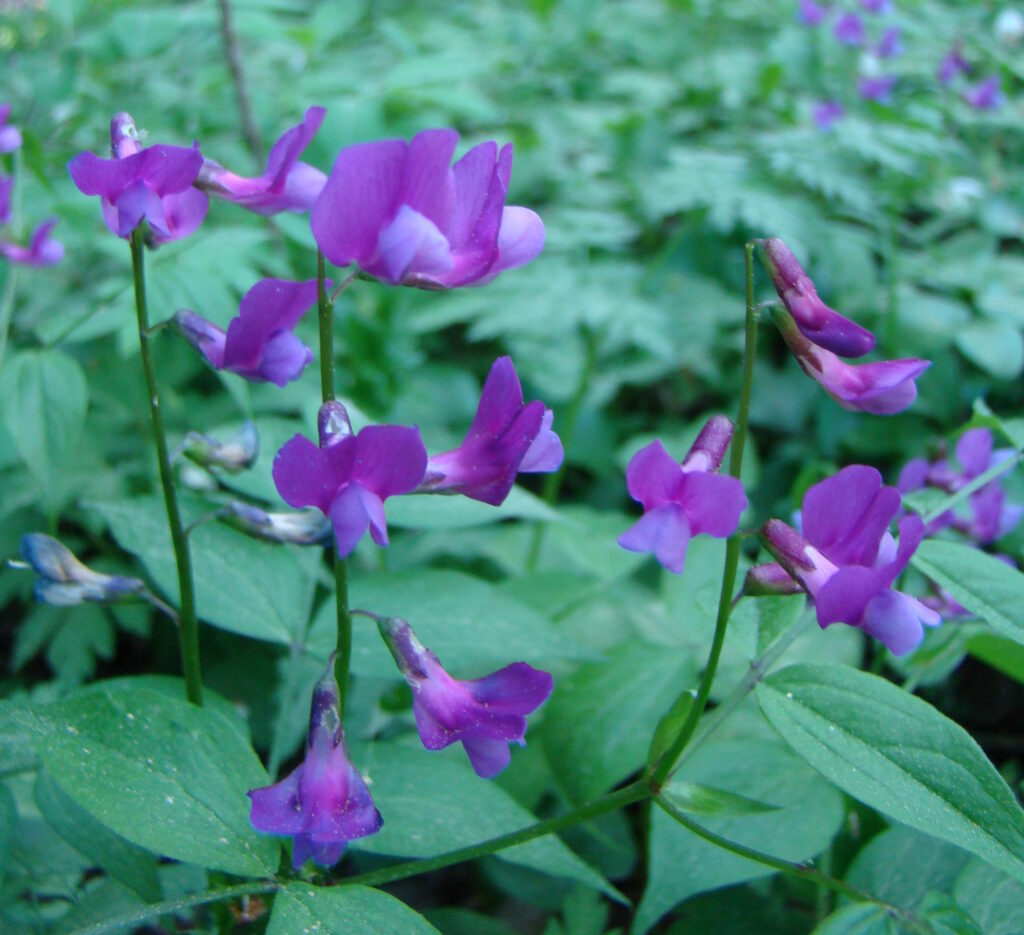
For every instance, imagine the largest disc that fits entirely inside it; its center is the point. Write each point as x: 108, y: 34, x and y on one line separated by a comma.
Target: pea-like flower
x: 506, y: 436
x: 891, y: 43
x: 404, y: 214
x: 348, y: 477
x: 826, y: 114
x: 324, y: 803
x: 811, y: 13
x: 42, y: 249
x: 877, y: 88
x: 260, y: 343
x: 153, y: 184
x: 306, y: 527
x: 286, y: 183
x: 986, y: 95
x: 485, y: 714
x: 953, y: 63
x: 847, y: 560
x: 681, y: 501
x: 64, y: 581
x: 849, y: 29
x: 10, y: 136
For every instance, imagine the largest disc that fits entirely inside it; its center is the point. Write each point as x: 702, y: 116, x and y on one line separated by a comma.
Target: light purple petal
x: 348, y: 516
x: 545, y: 453
x: 653, y: 476
x: 897, y: 620
x: 283, y: 360
x: 882, y: 388
x: 520, y: 239
x: 269, y: 306
x: 913, y: 475
x: 487, y: 756
x: 275, y: 808
x: 373, y: 506
x: 517, y: 689
x: 665, y: 531
x: 713, y: 503
x: 410, y: 246
x: 428, y: 186
x: 849, y: 29
x: 974, y: 451
x: 182, y: 215
x: 843, y: 597
x: 389, y: 459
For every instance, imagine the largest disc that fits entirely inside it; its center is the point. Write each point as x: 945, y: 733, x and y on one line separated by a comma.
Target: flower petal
x: 276, y: 809
x: 520, y: 240
x: 410, y: 247
x: 517, y: 689
x: 713, y: 503
x: 349, y: 518
x: 306, y: 475
x: 269, y: 306
x: 389, y: 459
x: 487, y: 756
x: 665, y: 531
x: 428, y: 186
x: 653, y: 476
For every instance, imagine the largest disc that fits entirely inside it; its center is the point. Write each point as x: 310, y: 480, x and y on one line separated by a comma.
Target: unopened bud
x: 124, y: 138
x: 305, y: 527
x: 333, y: 423
x: 64, y: 581
x: 237, y: 453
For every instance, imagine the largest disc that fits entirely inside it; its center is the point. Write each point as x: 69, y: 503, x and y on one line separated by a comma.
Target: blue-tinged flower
x: 324, y: 803
x: 953, y: 63
x: 876, y: 6
x: 891, y: 43
x: 811, y: 13
x: 681, y: 501
x: 64, y: 581
x: 826, y: 114
x: 485, y: 714
x: 10, y: 136
x: 877, y: 88
x: 507, y: 436
x: 6, y: 187
x: 42, y: 249
x: 986, y: 95
x: 849, y: 29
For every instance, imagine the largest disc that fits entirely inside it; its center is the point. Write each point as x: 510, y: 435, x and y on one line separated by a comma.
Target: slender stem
x: 1003, y: 467
x: 553, y: 482
x: 325, y: 313
x: 614, y: 800
x: 188, y: 630
x: 227, y: 32
x: 135, y: 917
x: 892, y: 310
x: 7, y: 307
x: 662, y: 769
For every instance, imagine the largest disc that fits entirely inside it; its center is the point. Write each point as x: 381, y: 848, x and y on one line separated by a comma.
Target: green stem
x: 1003, y: 467
x: 663, y: 768
x: 614, y: 800
x: 227, y: 33
x: 553, y: 482
x: 892, y: 303
x: 188, y: 629
x: 7, y: 307
x: 325, y: 314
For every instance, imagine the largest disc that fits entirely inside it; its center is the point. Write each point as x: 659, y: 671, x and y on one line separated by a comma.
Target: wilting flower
x: 42, y: 249
x: 882, y: 388
x: 238, y: 453
x: 811, y: 13
x: 877, y: 88
x: 285, y: 185
x: 891, y: 43
x: 826, y: 114
x: 259, y: 344
x: 323, y: 803
x: 306, y: 527
x: 153, y: 184
x: 953, y: 63
x: 986, y: 95
x: 405, y: 215
x: 821, y: 324
x: 485, y: 714
x: 505, y: 437
x: 681, y: 501
x: 349, y: 476
x: 10, y: 136
x: 64, y: 581
x: 849, y: 29
x: 847, y: 560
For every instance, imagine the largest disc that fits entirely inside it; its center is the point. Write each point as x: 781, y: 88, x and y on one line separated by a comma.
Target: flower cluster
x: 817, y: 335
x: 42, y: 249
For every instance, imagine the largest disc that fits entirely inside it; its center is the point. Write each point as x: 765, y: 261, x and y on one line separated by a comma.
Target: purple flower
x: 849, y: 29
x: 259, y: 344
x: 811, y: 13
x: 324, y: 803
x: 683, y: 500
x: 891, y: 44
x: 816, y: 321
x: 285, y: 185
x: 10, y: 136
x: 882, y: 388
x: 153, y: 184
x: 64, y: 581
x: 505, y: 437
x: 952, y: 64
x: 349, y: 476
x: 877, y: 88
x: 847, y: 560
x: 42, y: 249
x: 986, y: 95
x: 876, y: 6
x: 825, y: 116
x: 485, y: 714
x: 405, y: 215
x: 6, y: 187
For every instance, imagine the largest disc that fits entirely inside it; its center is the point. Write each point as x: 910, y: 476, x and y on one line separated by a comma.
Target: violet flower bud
x: 238, y: 453
x: 306, y: 527
x: 64, y: 581
x: 403, y: 214
x: 819, y: 323
x: 323, y: 803
x: 683, y: 500
x: 485, y: 714
x: 770, y: 578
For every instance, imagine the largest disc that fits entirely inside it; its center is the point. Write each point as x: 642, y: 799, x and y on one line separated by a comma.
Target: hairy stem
x: 227, y: 32
x: 188, y: 629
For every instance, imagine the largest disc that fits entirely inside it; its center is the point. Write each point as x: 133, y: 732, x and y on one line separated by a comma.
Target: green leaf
x: 859, y: 919
x: 807, y: 813
x: 896, y: 753
x: 343, y: 910
x: 1002, y: 654
x: 433, y: 802
x: 703, y: 801
x: 254, y: 588
x: 994, y: 346
x: 598, y: 722
x: 994, y: 900
x: 983, y: 584
x: 469, y: 623
x: 158, y: 771
x: 443, y: 512
x: 670, y: 725
x: 8, y: 825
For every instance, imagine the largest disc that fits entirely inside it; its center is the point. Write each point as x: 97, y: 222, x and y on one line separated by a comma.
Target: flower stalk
x: 188, y: 629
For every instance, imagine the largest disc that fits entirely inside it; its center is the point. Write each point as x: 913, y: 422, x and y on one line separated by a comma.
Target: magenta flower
x: 849, y: 29
x: 877, y: 88
x: 505, y: 437
x: 986, y: 95
x: 259, y: 344
x: 405, y: 215
x: 681, y: 501
x: 153, y: 184
x: 816, y: 321
x: 953, y: 64
x: 324, y: 803
x: 891, y: 44
x: 285, y: 185
x: 847, y: 560
x: 485, y: 714
x: 882, y: 388
x: 349, y: 476
x: 42, y: 249
x: 825, y: 115
x: 10, y: 136
x: 811, y: 13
